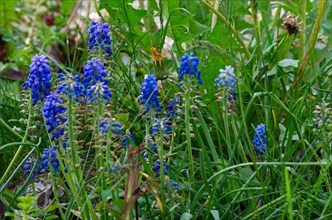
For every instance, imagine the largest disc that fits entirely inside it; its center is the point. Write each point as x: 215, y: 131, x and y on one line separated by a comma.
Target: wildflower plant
x: 95, y: 81
x: 100, y: 37
x: 149, y: 94
x: 70, y: 86
x: 116, y: 143
x: 259, y: 140
x: 226, y: 85
x: 322, y: 126
x: 55, y: 115
x: 39, y: 79
x: 189, y: 65
x: 226, y: 80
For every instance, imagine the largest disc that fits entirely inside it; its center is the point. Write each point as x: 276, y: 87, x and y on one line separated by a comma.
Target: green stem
x: 312, y: 41
x: 161, y: 170
x: 99, y: 161
x: 233, y: 30
x: 303, y: 11
x: 289, y: 194
x: 253, y: 4
x: 214, y: 16
x: 86, y: 212
x: 187, y: 126
x: 55, y: 190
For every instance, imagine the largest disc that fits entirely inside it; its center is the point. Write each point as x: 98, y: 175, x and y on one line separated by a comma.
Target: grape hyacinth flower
x: 49, y: 159
x: 54, y: 113
x: 150, y: 144
x: 175, y: 185
x: 226, y: 80
x: 189, y: 65
x: 323, y: 122
x: 149, y: 94
x: 156, y: 168
x: 70, y: 86
x: 95, y: 82
x: 105, y: 126
x: 29, y: 164
x: 260, y: 139
x: 161, y: 124
x: 116, y: 169
x: 39, y: 79
x: 99, y: 37
x: 173, y: 107
x: 127, y: 140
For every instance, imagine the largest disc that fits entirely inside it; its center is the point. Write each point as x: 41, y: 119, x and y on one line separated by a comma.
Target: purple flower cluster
x: 28, y: 165
x: 105, y: 126
x: 116, y: 169
x: 175, y: 185
x: 70, y: 86
x: 99, y: 37
x: 39, y: 79
x: 127, y: 140
x: 226, y: 80
x: 54, y: 113
x: 260, y: 139
x: 95, y: 82
x: 150, y: 145
x: 149, y: 94
x: 49, y: 159
x: 163, y: 125
x: 189, y: 65
x: 156, y: 168
x: 172, y: 107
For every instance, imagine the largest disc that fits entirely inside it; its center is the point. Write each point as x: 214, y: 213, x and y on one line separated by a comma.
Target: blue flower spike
x: 39, y: 79
x: 99, y: 37
x: 189, y: 65
x: 226, y: 80
x: 260, y: 139
x: 95, y: 81
x: 149, y: 94
x: 54, y: 113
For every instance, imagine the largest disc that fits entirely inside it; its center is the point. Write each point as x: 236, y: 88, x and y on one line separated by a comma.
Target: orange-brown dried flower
x: 290, y: 24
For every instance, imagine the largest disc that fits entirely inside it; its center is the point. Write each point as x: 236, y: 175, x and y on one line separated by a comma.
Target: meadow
x: 166, y: 109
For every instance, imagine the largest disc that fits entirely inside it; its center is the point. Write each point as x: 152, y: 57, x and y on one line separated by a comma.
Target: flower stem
x: 161, y: 171
x: 187, y: 126
x: 303, y: 11
x: 86, y: 212
x: 312, y: 41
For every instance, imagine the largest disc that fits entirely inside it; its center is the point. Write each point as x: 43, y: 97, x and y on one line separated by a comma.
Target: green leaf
x: 222, y: 37
x: 246, y: 172
x: 3, y: 67
x: 197, y: 28
x: 215, y: 214
x: 51, y: 217
x: 67, y: 6
x: 7, y: 13
x: 106, y: 195
x: 288, y: 63
x: 186, y: 216
x: 118, y: 206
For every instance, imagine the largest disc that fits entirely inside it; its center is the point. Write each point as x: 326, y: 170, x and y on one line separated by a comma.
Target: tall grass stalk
x: 309, y: 51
